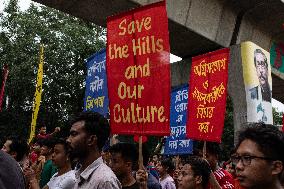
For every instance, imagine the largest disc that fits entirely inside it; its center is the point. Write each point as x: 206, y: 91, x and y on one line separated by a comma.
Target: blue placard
x: 177, y: 144
x: 96, y: 95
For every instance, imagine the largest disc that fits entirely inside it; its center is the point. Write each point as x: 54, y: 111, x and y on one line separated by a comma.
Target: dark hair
x: 259, y: 51
x: 145, y: 154
x: 200, y: 167
x: 95, y: 124
x: 128, y: 152
x: 62, y: 142
x: 269, y: 139
x: 168, y: 163
x: 48, y: 142
x: 20, y: 146
x: 154, y: 154
x: 213, y: 148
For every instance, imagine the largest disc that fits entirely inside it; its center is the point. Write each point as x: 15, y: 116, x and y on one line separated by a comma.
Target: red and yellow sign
x: 138, y: 71
x: 207, y: 97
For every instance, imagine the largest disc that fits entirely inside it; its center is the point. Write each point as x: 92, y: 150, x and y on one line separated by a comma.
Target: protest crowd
x: 128, y: 92
x: 86, y: 159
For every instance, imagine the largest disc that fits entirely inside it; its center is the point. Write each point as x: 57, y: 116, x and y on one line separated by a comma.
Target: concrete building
x: 200, y: 26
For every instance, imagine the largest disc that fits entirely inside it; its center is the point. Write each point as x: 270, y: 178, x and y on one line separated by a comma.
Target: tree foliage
x: 277, y: 117
x: 68, y: 42
x: 228, y: 132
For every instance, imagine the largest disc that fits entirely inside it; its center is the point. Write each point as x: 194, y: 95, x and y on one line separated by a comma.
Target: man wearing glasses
x: 259, y: 157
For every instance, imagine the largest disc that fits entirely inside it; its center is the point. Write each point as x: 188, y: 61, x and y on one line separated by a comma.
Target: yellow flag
x: 37, y: 96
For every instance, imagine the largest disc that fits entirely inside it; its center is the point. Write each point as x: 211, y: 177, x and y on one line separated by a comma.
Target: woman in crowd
x: 64, y: 178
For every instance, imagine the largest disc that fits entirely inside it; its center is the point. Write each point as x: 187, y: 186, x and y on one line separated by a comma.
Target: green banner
x: 277, y: 56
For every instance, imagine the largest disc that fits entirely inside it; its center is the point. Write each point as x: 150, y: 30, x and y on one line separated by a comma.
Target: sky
x: 24, y: 4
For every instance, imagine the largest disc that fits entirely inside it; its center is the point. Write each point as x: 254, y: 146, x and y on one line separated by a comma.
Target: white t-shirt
x: 65, y: 181
x: 168, y: 183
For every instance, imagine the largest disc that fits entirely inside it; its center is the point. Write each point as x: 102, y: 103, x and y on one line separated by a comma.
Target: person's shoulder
x: 6, y: 161
x: 48, y: 164
x: 225, y: 178
x: 12, y: 178
x: 222, y: 173
x: 69, y: 178
x: 104, y: 173
x: 106, y: 178
x: 152, y: 182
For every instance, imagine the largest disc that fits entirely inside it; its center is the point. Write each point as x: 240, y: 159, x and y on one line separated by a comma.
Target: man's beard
x: 77, y: 152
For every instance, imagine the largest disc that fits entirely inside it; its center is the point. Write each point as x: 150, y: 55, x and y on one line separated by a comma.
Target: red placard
x: 207, y: 96
x: 138, y: 71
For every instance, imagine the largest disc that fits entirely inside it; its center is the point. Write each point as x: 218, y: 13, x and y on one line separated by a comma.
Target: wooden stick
x: 204, y: 150
x: 140, y: 153
x: 177, y: 161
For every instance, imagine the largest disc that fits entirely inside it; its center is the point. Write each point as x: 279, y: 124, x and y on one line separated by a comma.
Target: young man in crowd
x: 18, y: 149
x: 88, y: 134
x: 43, y: 135
x: 152, y: 165
x: 223, y: 177
x: 259, y: 157
x: 165, y: 167
x: 195, y: 174
x: 48, y: 169
x: 124, y: 157
x: 143, y: 176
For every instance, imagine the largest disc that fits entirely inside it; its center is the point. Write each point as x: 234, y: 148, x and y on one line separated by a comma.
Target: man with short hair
x: 48, y: 169
x: 223, y: 177
x: 195, y: 174
x: 18, y: 148
x: 43, y: 135
x: 88, y: 134
x: 259, y: 157
x: 124, y: 157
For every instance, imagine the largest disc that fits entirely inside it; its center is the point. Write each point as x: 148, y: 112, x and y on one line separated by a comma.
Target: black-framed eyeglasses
x: 246, y: 159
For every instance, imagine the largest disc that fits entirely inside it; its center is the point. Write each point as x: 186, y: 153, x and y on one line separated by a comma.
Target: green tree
x: 68, y: 42
x: 228, y: 132
x: 277, y: 117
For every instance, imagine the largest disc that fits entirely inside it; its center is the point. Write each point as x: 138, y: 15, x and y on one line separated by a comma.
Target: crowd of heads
x: 256, y: 161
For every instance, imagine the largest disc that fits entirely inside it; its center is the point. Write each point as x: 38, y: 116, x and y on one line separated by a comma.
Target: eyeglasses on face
x: 246, y: 159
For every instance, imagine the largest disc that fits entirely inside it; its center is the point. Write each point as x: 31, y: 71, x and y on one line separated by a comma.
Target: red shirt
x: 33, y: 157
x: 237, y: 184
x: 41, y: 136
x: 224, y: 178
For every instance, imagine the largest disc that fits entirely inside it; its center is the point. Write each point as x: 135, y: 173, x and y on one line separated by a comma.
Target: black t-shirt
x: 133, y: 186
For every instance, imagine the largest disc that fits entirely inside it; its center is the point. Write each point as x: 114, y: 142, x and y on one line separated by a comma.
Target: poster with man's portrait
x: 258, y: 83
